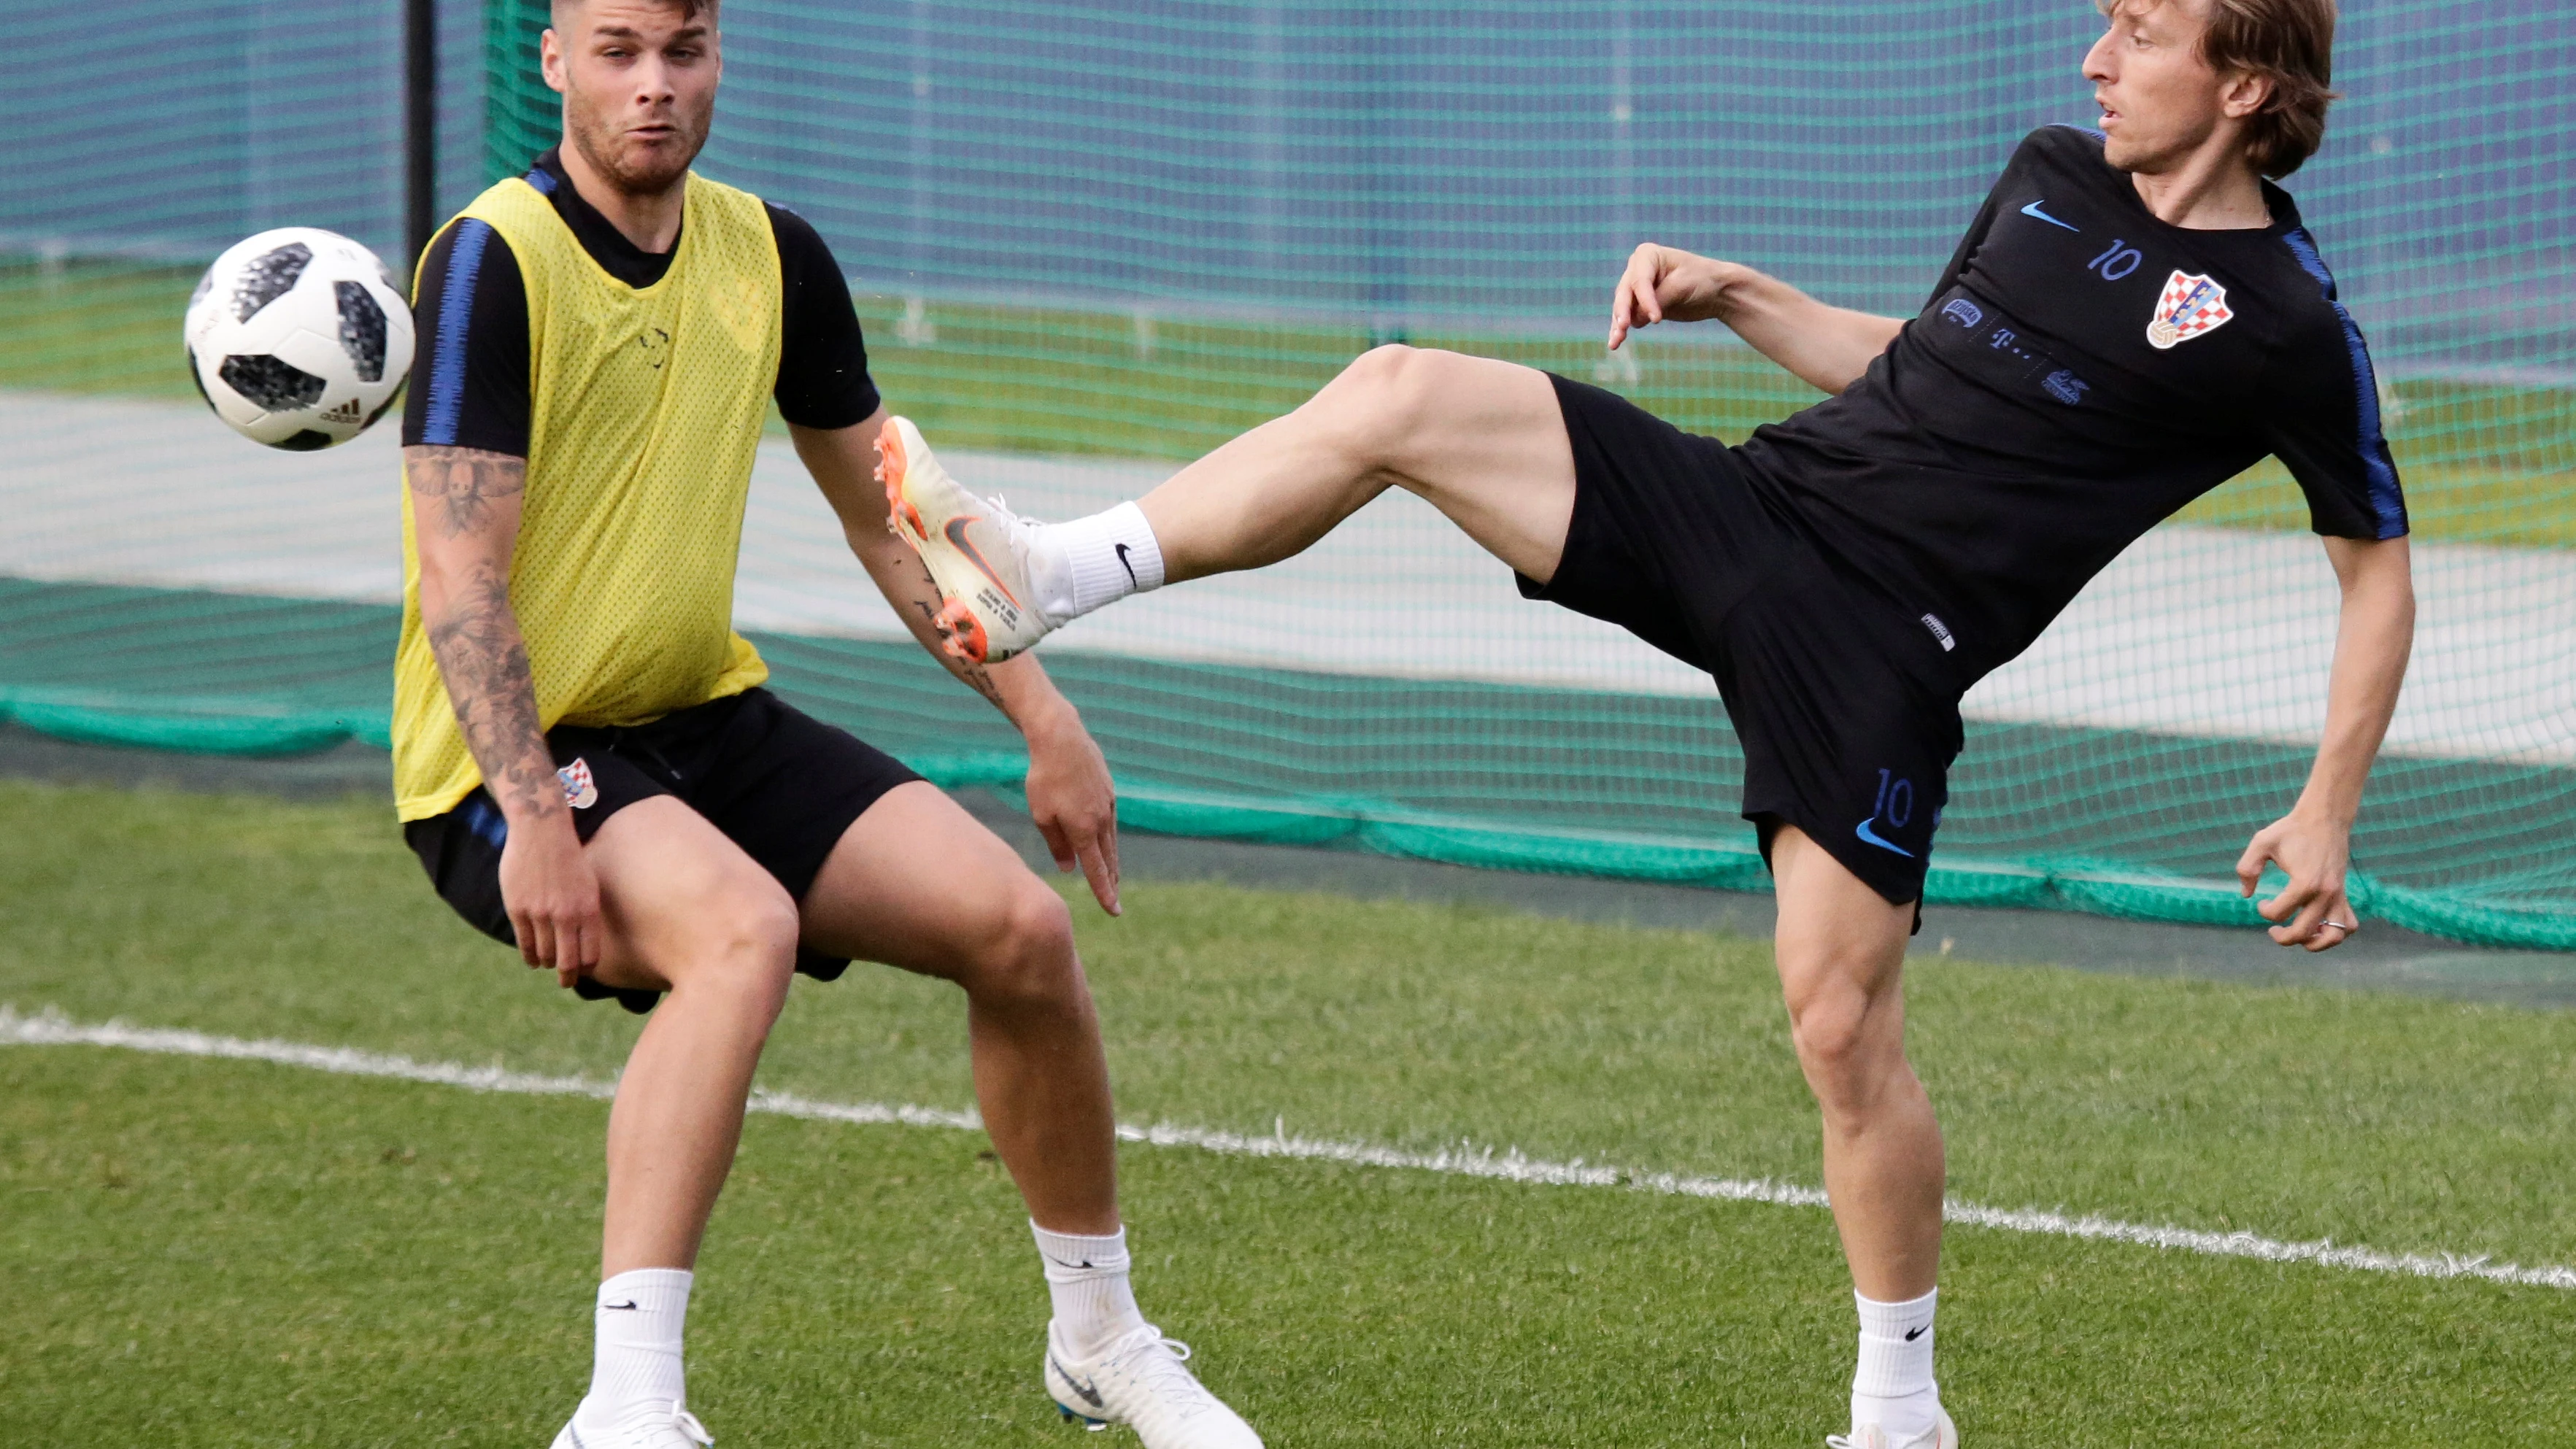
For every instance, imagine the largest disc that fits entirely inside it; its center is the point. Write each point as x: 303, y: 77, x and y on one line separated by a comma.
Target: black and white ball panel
x: 362, y: 329
x: 268, y: 277
x: 273, y: 383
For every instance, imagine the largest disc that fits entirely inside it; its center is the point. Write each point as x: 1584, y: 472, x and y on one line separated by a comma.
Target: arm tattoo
x: 466, y: 482
x: 459, y: 493
x: 484, y: 660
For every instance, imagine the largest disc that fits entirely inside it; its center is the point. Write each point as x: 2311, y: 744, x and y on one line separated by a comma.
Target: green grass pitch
x: 216, y: 1253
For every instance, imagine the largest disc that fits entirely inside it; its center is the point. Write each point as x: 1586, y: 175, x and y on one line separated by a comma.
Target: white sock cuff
x: 1071, y: 1257
x: 1892, y: 1363
x: 1110, y: 555
x: 650, y: 1290
x: 638, y: 1323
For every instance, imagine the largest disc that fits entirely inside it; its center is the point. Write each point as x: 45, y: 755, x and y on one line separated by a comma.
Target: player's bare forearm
x: 465, y: 521
x: 1826, y: 347
x: 1071, y: 797
x: 843, y: 462
x: 907, y: 586
x: 2373, y: 638
x: 2313, y: 843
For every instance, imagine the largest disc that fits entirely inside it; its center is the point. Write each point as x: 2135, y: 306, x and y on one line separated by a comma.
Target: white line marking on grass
x: 51, y: 1028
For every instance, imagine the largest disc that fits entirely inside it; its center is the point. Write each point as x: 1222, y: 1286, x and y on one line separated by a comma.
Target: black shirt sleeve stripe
x: 2352, y: 451
x: 472, y: 314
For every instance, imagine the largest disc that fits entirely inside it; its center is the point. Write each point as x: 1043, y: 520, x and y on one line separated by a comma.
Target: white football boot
x: 977, y: 551
x: 671, y: 1428
x: 1942, y: 1435
x: 1141, y: 1381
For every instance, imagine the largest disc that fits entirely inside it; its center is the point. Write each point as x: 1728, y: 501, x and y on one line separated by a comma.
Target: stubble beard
x: 649, y: 175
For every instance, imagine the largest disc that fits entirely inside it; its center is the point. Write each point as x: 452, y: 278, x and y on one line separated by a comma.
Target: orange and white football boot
x: 977, y: 551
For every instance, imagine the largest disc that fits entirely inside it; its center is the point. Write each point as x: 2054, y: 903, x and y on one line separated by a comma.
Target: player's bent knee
x: 1844, y: 1059
x: 1377, y: 402
x: 1831, y: 1033
x: 749, y: 952
x: 1377, y: 369
x: 1027, y: 957
x: 1039, y: 940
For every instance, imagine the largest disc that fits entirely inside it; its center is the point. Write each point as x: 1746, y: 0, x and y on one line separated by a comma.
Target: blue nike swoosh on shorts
x: 1873, y: 837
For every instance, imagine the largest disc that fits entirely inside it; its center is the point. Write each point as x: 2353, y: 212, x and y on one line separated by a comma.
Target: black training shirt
x: 2081, y: 371
x: 470, y: 388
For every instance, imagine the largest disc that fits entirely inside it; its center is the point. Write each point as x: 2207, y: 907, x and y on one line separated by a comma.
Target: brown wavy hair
x: 2287, y: 42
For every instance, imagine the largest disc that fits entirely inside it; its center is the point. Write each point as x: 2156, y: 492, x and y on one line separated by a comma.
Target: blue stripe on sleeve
x: 455, y: 312
x: 542, y: 179
x: 2387, y: 505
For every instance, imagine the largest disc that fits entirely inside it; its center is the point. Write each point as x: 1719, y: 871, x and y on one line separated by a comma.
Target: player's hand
x: 1662, y: 284
x: 1074, y: 803
x: 552, y: 896
x: 2312, y: 910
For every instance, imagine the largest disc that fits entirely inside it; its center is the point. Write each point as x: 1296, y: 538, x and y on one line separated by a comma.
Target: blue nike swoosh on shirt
x: 2034, y: 211
x: 1872, y: 836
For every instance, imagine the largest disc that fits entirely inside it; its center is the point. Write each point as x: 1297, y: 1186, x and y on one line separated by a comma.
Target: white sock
x: 1076, y: 567
x: 1087, y: 1278
x: 635, y: 1365
x: 1893, y: 1386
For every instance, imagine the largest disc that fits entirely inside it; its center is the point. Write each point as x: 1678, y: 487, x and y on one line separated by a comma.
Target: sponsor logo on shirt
x: 2058, y: 382
x: 2188, y: 307
x: 580, y: 790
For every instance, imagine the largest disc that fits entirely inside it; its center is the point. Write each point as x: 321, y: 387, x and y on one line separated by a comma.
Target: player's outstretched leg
x: 915, y: 882
x: 1841, y: 949
x: 1483, y: 441
x: 689, y: 913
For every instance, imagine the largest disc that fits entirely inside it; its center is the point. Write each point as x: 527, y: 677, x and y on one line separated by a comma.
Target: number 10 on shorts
x: 1895, y: 800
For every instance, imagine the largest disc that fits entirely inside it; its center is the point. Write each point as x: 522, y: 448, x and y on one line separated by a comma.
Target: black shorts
x: 778, y: 782
x: 1846, y: 706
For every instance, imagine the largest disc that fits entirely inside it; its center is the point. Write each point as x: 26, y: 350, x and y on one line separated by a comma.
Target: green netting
x: 1089, y: 240
x: 1401, y: 767
x: 521, y: 117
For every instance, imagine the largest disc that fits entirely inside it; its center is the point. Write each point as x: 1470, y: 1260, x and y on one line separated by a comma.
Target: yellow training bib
x: 647, y: 406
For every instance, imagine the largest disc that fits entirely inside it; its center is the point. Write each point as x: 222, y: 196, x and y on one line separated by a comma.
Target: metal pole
x: 420, y: 125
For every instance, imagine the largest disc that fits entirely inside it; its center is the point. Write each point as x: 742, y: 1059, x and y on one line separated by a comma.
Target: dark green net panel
x: 1124, y: 233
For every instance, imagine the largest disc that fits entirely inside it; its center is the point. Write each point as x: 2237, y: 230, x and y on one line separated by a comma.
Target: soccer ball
x: 299, y: 338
